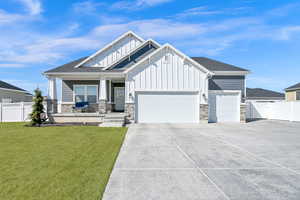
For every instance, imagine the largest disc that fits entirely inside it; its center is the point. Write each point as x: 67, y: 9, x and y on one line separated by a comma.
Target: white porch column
x: 52, y: 93
x: 102, y: 90
x: 102, y: 96
x: 52, y: 96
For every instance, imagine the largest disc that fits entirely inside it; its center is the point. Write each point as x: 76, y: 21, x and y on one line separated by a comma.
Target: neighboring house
x: 293, y: 93
x: 151, y: 83
x: 263, y: 95
x: 11, y: 94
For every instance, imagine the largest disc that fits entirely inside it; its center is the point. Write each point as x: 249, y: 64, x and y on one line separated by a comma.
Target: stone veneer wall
x: 68, y: 108
x: 129, y: 111
x: 243, y: 112
x: 102, y: 106
x: 109, y: 107
x: 204, y: 113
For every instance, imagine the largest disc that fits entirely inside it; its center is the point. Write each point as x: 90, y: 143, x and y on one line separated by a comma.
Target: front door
x: 119, y: 98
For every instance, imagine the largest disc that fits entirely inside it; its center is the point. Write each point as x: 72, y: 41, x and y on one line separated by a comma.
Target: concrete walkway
x: 259, y: 160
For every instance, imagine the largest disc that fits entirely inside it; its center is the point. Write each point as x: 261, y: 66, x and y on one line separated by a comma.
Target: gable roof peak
x: 124, y: 35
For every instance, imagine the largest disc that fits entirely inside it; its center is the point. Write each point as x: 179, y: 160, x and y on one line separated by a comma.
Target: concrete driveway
x: 258, y: 160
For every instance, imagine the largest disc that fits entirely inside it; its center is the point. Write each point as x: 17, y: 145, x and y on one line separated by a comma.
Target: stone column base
x: 130, y: 111
x: 109, y: 107
x: 243, y: 112
x: 204, y: 113
x: 102, y: 106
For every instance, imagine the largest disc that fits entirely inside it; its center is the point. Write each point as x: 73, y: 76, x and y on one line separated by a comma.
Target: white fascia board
x: 12, y: 90
x: 109, y: 45
x: 167, y: 90
x: 174, y: 49
x: 133, y: 51
x: 225, y: 91
x: 87, y: 75
x: 231, y: 73
x: 292, y: 89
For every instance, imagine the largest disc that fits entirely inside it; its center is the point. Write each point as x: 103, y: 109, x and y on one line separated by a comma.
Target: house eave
x: 84, y: 75
x: 232, y: 73
x: 12, y: 90
x: 292, y: 89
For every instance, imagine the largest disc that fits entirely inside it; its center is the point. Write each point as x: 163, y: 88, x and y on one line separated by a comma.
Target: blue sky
x: 262, y: 36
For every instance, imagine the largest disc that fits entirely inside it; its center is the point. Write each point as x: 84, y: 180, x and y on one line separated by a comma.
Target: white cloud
x: 33, y: 7
x: 87, y: 7
x: 156, y: 28
x: 137, y: 4
x: 11, y: 65
x: 151, y: 2
x: 287, y: 32
x: 6, y: 18
x: 209, y: 38
x: 199, y: 11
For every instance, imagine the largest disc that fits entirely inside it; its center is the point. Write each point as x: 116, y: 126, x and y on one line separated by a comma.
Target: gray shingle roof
x: 70, y: 67
x: 293, y: 87
x: 259, y: 93
x: 9, y: 86
x: 214, y: 65
x: 209, y: 64
x: 135, y: 56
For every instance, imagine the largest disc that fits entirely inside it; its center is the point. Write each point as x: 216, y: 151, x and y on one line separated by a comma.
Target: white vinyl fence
x: 281, y: 110
x: 15, y: 112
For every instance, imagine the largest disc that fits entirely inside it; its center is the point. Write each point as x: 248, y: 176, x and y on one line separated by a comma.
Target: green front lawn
x: 56, y: 162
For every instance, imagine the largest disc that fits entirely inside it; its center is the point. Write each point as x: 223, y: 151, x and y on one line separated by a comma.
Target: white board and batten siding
x: 166, y: 88
x: 115, y: 52
x: 165, y: 71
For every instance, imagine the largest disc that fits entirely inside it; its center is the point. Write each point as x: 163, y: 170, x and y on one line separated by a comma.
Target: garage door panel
x: 227, y: 108
x: 224, y: 107
x: 167, y: 107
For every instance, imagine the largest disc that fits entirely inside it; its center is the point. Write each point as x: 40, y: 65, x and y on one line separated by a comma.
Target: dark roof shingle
x: 254, y: 93
x: 214, y: 65
x: 293, y: 87
x: 209, y: 64
x: 9, y: 86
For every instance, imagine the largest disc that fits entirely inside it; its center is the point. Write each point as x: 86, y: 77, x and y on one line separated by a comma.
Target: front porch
x: 103, y: 96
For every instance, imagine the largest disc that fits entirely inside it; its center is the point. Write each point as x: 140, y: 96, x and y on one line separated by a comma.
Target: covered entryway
x: 224, y: 106
x: 167, y: 107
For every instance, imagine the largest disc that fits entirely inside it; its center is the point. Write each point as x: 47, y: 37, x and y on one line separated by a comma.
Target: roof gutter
x: 291, y: 89
x: 232, y: 73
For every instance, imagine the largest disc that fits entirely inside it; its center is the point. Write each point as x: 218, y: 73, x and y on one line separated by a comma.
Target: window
x: 85, y: 93
x: 91, y: 95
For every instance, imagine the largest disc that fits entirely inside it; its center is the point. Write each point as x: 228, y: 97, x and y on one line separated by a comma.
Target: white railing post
x: 22, y: 111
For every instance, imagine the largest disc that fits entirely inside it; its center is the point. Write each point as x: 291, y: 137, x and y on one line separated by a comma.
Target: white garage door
x: 224, y: 107
x: 167, y: 107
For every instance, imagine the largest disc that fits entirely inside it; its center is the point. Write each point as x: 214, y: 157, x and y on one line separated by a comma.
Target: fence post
x: 22, y: 111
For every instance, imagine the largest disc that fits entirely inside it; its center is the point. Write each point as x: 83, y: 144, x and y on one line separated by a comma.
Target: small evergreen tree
x: 37, y: 115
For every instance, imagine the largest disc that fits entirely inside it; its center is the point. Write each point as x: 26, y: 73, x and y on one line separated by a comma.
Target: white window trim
x: 85, y: 92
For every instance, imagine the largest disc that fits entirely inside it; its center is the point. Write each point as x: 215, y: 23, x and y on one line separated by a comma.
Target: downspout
x: 205, y: 95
